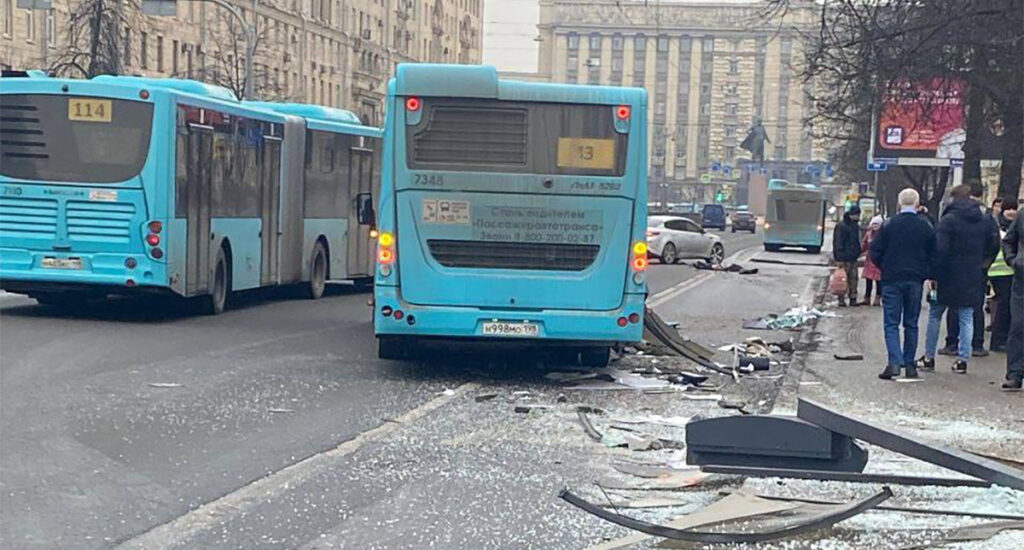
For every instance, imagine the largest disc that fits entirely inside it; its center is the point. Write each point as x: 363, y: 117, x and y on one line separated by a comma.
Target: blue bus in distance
x: 511, y: 212
x: 794, y: 216
x: 122, y: 185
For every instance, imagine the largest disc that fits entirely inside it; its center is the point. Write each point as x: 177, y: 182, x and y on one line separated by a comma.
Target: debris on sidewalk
x: 770, y: 441
x: 803, y: 518
x: 852, y: 477
x: 793, y: 319
x: 940, y: 455
x: 848, y: 356
x: 164, y: 385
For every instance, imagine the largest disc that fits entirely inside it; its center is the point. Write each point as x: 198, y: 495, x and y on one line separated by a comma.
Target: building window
x: 640, y: 42
x: 160, y: 53
x: 574, y: 41
x: 617, y: 42
x: 174, y: 57
x: 730, y: 109
x: 595, y: 42
x: 730, y: 152
x: 144, y: 50
x: 51, y: 28
x: 662, y: 43
x: 127, y: 47
x: 730, y: 89
x: 8, y: 17
x: 730, y: 130
x: 30, y: 24
x: 734, y: 66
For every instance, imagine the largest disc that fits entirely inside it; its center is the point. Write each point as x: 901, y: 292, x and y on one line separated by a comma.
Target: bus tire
x: 217, y: 300
x: 317, y: 272
x: 668, y: 254
x: 595, y: 357
x: 391, y: 348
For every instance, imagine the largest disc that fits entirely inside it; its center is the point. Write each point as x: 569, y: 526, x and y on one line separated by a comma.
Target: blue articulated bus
x: 121, y: 185
x: 794, y: 216
x: 511, y: 212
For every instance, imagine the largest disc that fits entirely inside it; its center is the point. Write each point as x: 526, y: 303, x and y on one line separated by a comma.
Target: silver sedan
x: 673, y: 238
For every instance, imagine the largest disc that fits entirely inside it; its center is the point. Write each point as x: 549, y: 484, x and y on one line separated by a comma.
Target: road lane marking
x: 217, y: 512
x: 675, y: 291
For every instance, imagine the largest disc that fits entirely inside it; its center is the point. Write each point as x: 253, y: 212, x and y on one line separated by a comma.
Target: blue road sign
x: 716, y: 166
x: 877, y: 166
x: 727, y: 170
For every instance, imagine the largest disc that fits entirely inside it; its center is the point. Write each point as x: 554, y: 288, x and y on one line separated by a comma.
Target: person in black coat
x: 1013, y: 255
x: 964, y: 246
x: 846, y: 250
x: 952, y: 323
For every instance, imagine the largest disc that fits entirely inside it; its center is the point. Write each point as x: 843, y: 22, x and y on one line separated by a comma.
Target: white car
x: 673, y: 238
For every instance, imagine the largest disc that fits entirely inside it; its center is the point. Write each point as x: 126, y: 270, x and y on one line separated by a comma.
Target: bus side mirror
x: 364, y: 209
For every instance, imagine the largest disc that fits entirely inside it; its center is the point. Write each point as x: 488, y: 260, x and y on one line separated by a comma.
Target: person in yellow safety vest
x: 1000, y: 276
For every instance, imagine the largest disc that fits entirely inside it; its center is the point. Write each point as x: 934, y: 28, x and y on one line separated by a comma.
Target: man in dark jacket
x: 904, y: 250
x: 952, y: 323
x: 1013, y: 254
x: 846, y: 251
x: 965, y: 244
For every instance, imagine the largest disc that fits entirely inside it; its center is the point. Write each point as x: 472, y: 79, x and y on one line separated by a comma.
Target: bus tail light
x: 385, y: 252
x: 623, y: 321
x: 413, y: 104
x: 399, y: 315
x: 634, y: 318
x: 155, y: 226
x: 639, y: 256
x: 386, y: 311
x: 157, y: 253
x: 152, y: 239
x: 623, y: 112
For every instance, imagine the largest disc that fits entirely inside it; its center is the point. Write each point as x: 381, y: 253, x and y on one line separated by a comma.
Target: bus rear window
x: 478, y: 135
x: 73, y: 139
x: 794, y: 210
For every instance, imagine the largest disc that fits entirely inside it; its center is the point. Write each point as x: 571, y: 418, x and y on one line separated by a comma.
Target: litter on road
x: 853, y: 477
x: 164, y: 385
x: 792, y: 319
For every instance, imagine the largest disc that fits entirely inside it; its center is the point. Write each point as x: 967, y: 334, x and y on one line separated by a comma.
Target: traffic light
x: 720, y: 196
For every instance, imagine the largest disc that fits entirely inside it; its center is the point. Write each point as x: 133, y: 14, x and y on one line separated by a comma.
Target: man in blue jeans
x: 904, y: 250
x: 965, y: 245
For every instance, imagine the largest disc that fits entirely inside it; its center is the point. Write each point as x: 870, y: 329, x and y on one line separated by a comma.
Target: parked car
x: 743, y: 220
x: 713, y: 215
x: 673, y: 238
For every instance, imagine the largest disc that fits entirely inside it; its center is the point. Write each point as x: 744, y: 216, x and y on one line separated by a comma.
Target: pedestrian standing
x: 904, y: 250
x: 1000, y: 276
x: 872, y: 275
x: 846, y: 251
x: 952, y: 321
x: 964, y: 248
x: 1013, y: 255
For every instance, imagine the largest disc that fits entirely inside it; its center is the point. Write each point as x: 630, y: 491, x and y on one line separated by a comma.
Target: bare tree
x: 96, y: 38
x: 225, y: 59
x: 864, y: 50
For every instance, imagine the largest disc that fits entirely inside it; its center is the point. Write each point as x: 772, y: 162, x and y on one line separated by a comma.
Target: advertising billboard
x: 922, y: 123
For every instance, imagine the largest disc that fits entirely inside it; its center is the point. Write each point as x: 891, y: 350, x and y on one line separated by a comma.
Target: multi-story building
x: 332, y: 52
x: 711, y: 69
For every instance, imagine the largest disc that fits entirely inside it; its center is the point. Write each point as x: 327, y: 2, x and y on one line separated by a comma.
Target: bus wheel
x: 218, y: 298
x: 389, y: 347
x: 595, y: 357
x: 668, y: 254
x: 317, y: 272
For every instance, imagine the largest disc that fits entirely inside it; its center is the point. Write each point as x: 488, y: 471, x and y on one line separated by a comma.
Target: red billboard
x: 922, y: 120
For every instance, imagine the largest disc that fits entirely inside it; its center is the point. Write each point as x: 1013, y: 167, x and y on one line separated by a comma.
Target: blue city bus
x: 511, y: 212
x: 794, y: 216
x: 125, y: 185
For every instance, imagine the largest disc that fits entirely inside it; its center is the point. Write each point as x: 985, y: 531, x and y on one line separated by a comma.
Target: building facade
x: 711, y: 71
x: 331, y: 52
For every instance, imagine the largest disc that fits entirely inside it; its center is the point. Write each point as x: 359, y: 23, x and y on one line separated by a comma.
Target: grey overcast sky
x: 509, y: 29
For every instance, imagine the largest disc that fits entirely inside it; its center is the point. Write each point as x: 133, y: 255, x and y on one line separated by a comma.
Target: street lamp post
x: 161, y: 8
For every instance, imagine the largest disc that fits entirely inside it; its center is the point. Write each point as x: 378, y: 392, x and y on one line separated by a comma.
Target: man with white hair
x: 905, y: 252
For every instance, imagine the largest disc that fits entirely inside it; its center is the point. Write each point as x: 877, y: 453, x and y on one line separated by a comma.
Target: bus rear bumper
x: 22, y: 271
x: 597, y: 327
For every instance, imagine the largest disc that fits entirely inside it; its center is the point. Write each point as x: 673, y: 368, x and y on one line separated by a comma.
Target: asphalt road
x: 119, y: 419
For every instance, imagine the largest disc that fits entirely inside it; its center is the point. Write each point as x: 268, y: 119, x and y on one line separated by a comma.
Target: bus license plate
x: 511, y: 329
x: 62, y: 263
